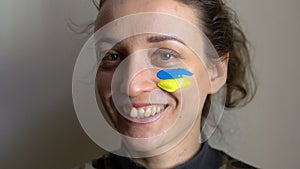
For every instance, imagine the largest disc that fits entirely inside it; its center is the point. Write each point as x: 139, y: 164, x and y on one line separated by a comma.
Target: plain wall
x: 38, y: 125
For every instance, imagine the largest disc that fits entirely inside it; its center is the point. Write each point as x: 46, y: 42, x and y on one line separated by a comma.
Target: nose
x: 142, y: 82
x: 140, y: 77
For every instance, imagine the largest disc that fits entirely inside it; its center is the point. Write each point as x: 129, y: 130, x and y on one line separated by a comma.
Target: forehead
x: 168, y: 17
x: 114, y: 9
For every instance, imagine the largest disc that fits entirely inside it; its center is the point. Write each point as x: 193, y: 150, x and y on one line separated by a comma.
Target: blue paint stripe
x: 173, y: 73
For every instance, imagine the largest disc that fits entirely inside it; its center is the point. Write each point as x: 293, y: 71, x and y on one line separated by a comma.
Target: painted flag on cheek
x: 173, y: 79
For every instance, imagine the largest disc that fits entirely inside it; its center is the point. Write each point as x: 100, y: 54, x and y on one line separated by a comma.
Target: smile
x: 145, y: 114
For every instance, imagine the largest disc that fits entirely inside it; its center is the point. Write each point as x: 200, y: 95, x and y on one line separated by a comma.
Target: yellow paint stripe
x: 171, y: 85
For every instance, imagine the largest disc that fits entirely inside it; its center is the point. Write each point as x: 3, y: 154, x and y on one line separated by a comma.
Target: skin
x: 140, y: 88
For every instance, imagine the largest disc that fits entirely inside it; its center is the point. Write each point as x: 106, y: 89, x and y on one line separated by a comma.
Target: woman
x: 156, y: 86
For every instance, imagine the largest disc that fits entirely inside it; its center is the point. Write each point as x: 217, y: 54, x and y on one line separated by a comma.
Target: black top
x: 207, y: 158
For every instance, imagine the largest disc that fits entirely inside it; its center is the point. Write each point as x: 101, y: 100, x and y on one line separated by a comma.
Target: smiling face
x: 128, y: 82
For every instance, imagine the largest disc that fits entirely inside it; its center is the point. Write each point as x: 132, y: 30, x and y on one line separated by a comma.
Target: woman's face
x: 130, y: 68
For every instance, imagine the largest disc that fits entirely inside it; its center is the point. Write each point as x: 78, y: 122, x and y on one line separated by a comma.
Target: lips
x: 144, y: 113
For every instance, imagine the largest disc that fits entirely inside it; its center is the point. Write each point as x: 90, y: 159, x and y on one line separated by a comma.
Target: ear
x: 218, y: 75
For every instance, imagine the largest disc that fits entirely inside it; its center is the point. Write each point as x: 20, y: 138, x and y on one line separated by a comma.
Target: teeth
x: 141, y: 112
x: 133, y: 113
x: 158, y: 109
x: 148, y: 112
x: 145, y: 111
x: 153, y: 112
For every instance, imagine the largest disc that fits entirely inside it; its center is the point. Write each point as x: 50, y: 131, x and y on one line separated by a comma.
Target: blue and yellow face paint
x: 173, y: 79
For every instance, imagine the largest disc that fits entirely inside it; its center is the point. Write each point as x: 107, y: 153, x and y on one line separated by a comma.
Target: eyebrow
x: 152, y: 39
x: 161, y: 38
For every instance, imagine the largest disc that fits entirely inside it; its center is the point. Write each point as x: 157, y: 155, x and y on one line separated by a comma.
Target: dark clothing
x: 207, y: 158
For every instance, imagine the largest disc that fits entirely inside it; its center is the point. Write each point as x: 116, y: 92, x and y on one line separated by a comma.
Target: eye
x: 166, y: 54
x: 111, y: 60
x: 112, y: 57
x: 165, y: 57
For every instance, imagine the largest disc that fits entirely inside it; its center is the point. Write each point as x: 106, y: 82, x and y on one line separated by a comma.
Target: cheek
x: 201, y: 77
x: 203, y: 82
x: 104, y: 83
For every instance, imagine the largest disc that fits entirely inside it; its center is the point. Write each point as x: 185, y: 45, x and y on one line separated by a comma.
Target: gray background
x: 38, y: 126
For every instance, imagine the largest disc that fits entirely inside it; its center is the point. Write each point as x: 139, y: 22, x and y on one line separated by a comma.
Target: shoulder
x: 100, y: 163
x: 229, y: 162
x: 111, y: 161
x: 108, y: 161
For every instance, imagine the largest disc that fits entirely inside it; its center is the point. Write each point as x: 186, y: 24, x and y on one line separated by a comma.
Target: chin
x: 143, y: 146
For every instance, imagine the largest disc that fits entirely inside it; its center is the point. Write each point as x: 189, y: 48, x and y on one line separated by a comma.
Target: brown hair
x: 222, y: 28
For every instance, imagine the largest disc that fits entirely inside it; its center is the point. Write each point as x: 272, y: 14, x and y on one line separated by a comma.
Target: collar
x: 207, y: 158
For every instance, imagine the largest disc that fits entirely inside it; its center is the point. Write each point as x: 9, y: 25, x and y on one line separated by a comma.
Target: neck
x: 180, y: 154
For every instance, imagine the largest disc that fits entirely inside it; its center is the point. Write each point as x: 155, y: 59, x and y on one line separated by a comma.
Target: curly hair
x: 222, y: 28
